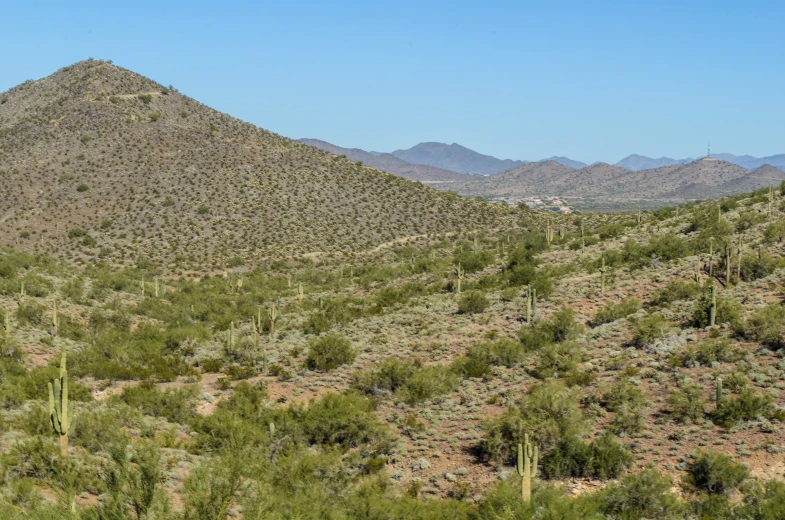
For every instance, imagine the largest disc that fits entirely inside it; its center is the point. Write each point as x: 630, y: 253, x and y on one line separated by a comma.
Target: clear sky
x: 592, y: 80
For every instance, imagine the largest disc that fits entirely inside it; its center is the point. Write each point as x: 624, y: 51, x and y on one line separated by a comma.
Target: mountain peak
x: 455, y: 157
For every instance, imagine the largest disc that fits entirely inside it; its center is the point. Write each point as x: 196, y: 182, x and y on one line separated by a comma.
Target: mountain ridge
x: 98, y: 163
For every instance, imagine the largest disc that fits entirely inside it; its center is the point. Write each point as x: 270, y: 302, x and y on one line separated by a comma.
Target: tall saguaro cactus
x: 58, y: 407
x: 300, y: 293
x: 527, y: 466
x: 6, y: 324
x: 603, y: 270
x: 273, y: 312
x: 531, y: 302
x: 460, y: 272
x: 718, y: 391
x: 713, y: 309
x: 55, y: 321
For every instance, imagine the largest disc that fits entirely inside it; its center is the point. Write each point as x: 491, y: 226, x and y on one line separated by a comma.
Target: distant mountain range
x: 637, y: 162
x: 449, y: 159
x: 634, y: 178
x: 455, y: 157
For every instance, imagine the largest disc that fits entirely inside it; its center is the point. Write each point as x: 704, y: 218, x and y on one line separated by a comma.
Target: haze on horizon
x: 593, y: 83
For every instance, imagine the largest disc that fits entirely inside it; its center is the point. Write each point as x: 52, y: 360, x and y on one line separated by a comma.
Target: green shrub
x: 754, y: 267
x: 550, y: 411
x: 505, y: 352
x: 775, y: 232
x: 767, y: 325
x: 667, y: 247
x: 346, y: 420
x: 31, y: 313
x: 329, y: 353
x: 645, y: 495
x: 748, y: 219
x: 557, y: 360
x: 676, y: 290
x: 746, y: 407
x: 687, y: 404
x: 604, y: 458
x: 472, y: 302
x: 427, y: 383
x: 176, y: 405
x: 472, y: 262
x: 615, y: 311
x: 145, y: 98
x: 728, y: 311
x: 647, y: 330
x: 561, y: 327
x: 715, y: 473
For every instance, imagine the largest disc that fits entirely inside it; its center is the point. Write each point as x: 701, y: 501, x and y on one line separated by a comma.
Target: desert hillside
x: 99, y: 162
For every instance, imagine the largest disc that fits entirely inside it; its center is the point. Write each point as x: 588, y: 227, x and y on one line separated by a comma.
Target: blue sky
x: 523, y: 80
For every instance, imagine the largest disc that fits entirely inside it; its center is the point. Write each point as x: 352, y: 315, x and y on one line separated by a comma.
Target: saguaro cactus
x: 603, y: 269
x: 718, y: 391
x: 531, y: 302
x: 300, y: 294
x: 527, y: 466
x: 713, y: 309
x: 771, y: 197
x: 460, y: 272
x: 157, y: 287
x: 6, y: 324
x: 273, y: 312
x: 55, y: 321
x: 58, y: 407
x: 548, y: 232
x: 230, y: 340
x: 727, y: 264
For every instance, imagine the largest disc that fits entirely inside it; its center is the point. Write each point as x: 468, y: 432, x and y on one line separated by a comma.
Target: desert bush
x: 715, y: 473
x: 647, y: 494
x: 746, y: 407
x: 472, y: 302
x: 347, y: 420
x: 687, y: 404
x: 603, y: 458
x: 176, y: 405
x: 472, y: 261
x: 550, y: 411
x: 505, y: 352
x: 330, y: 352
x: 667, y: 247
x: 427, y: 383
x: 408, y: 381
x: 767, y: 325
x: 561, y: 327
x: 647, y: 330
x: 557, y: 360
x: 615, y: 311
x: 748, y: 219
x: 32, y: 313
x: 676, y: 290
x: 754, y: 267
x: 728, y: 311
x: 775, y: 232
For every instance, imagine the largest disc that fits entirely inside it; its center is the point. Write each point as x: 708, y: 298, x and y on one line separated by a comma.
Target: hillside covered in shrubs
x: 641, y: 354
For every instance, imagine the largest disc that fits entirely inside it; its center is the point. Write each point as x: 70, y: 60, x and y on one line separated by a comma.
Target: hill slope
x: 389, y: 163
x: 96, y: 160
